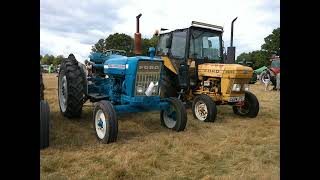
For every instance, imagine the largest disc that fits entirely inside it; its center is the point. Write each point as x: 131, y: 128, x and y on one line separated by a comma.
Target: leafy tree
x: 272, y: 42
x: 57, y: 60
x: 119, y: 41
x: 99, y: 46
x: 147, y: 43
x: 123, y: 42
x: 244, y: 56
x: 262, y: 57
x: 47, y: 59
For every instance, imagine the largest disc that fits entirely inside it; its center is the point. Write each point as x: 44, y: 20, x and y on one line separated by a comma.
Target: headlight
x: 246, y: 87
x: 236, y: 87
x: 139, y: 89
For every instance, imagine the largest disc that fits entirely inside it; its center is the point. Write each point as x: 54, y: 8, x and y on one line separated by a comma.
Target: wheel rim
x: 100, y: 124
x: 201, y: 110
x: 63, y: 93
x: 265, y: 78
x: 170, y: 117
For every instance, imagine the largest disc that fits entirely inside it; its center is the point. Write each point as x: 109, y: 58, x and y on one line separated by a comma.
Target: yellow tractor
x: 199, y: 72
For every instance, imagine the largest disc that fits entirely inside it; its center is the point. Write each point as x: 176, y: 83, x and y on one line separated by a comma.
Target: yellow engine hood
x: 224, y: 70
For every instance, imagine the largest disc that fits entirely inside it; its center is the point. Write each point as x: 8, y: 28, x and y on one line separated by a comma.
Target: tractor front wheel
x: 204, y: 108
x: 175, y: 117
x: 249, y: 108
x: 105, y: 122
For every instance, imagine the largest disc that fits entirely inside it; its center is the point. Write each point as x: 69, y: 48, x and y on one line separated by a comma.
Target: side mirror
x: 169, y: 42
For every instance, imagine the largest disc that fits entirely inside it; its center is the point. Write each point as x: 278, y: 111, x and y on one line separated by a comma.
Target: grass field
x: 230, y: 148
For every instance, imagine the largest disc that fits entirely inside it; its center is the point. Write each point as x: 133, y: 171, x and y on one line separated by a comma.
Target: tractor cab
x: 184, y: 49
x: 198, y: 43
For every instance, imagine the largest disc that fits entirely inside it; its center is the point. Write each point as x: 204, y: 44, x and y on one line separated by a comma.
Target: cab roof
x: 199, y: 25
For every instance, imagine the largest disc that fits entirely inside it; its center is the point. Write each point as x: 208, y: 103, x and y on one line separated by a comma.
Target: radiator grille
x: 147, y: 72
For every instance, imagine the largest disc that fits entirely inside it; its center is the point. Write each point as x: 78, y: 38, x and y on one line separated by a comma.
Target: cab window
x: 178, y: 45
x: 161, y: 48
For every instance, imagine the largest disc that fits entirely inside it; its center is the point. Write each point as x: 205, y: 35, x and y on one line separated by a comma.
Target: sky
x: 74, y: 26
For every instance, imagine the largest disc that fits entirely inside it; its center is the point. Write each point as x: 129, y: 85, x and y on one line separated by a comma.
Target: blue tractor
x: 117, y: 84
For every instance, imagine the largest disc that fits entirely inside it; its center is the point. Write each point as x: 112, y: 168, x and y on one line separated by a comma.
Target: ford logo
x: 245, y: 72
x: 149, y: 67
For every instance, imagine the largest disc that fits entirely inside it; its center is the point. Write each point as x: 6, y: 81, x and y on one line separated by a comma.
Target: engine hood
x: 121, y: 65
x: 224, y: 70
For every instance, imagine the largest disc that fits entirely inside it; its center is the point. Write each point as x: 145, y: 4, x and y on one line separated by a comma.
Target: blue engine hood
x: 121, y: 65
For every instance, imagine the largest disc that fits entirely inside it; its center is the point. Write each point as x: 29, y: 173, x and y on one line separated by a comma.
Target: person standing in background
x: 50, y: 68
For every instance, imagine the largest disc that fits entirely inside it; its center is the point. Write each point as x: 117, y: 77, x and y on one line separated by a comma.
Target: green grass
x: 233, y: 147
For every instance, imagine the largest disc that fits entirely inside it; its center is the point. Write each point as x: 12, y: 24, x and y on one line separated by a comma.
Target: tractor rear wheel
x: 71, y: 90
x: 175, y: 117
x: 105, y: 122
x: 204, y: 108
x: 168, y: 86
x: 265, y: 77
x: 250, y: 108
x: 44, y: 124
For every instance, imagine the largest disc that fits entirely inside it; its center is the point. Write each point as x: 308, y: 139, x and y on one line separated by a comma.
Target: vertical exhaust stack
x: 137, y: 38
x: 231, y: 53
x: 231, y: 40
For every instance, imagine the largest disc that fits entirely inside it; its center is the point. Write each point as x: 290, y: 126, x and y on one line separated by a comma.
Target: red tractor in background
x: 272, y: 74
x: 275, y: 64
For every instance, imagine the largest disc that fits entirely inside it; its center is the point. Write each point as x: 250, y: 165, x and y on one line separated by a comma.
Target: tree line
x: 123, y: 42
x: 50, y: 59
x: 262, y: 57
x: 113, y: 41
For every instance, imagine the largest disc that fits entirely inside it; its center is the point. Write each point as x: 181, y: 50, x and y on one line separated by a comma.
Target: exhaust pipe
x: 231, y: 40
x: 137, y: 38
x: 231, y: 53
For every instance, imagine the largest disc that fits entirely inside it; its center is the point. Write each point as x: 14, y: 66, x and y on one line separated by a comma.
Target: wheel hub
x: 201, y: 110
x: 100, y: 124
x: 169, y: 117
x: 244, y: 108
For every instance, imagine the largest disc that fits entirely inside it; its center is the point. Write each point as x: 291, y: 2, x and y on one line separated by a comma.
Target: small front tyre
x: 204, y: 108
x: 175, y: 117
x: 105, y: 122
x: 250, y: 107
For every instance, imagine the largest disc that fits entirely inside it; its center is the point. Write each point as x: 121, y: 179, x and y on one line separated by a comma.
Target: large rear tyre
x: 175, y: 117
x: 168, y: 86
x: 204, y: 108
x: 105, y: 122
x: 71, y: 90
x: 44, y: 124
x: 250, y: 107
